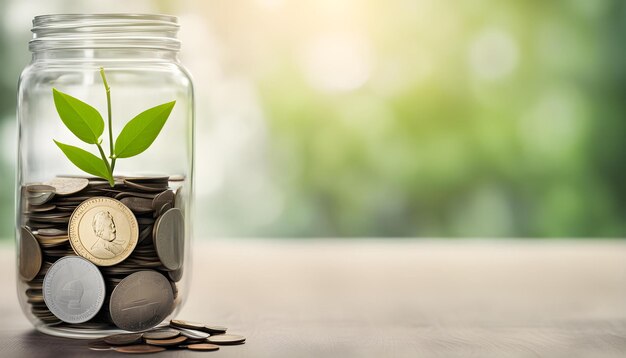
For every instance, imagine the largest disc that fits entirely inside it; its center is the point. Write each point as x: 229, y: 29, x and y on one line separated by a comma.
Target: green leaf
x: 141, y: 131
x: 79, y: 117
x: 85, y: 161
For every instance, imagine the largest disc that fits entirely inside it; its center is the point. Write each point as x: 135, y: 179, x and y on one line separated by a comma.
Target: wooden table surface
x: 387, y: 298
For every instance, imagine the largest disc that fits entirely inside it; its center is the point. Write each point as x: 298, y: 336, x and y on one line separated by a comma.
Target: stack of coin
x: 132, y: 233
x: 179, y: 335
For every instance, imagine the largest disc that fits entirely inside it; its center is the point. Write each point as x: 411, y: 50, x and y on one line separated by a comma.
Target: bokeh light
x: 403, y: 118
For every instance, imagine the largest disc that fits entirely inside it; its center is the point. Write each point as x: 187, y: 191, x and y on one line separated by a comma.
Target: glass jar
x: 89, y: 226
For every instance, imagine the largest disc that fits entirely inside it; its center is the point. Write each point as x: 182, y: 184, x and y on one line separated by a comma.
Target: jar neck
x: 106, y: 54
x: 104, y: 36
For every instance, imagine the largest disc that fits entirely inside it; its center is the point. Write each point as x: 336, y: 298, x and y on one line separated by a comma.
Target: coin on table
x: 141, y: 301
x: 67, y: 186
x: 103, y: 230
x: 139, y: 349
x: 203, y: 347
x: 30, y: 255
x: 193, y: 334
x: 226, y: 339
x: 162, y: 333
x: 99, y: 345
x: 214, y: 329
x: 169, y: 238
x: 166, y: 342
x: 123, y: 339
x: 179, y: 323
x: 73, y: 289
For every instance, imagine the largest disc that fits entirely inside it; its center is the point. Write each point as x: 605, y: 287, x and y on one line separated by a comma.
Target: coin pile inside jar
x: 96, y: 257
x: 178, y: 335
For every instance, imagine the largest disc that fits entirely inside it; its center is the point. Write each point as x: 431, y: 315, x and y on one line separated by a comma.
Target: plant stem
x: 108, y: 91
x: 106, y: 162
x: 111, y: 155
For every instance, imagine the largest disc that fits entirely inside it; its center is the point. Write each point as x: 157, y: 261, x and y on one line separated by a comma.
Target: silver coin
x: 73, y: 289
x: 141, y: 301
x: 67, y: 186
x: 40, y: 197
x: 161, y: 333
x: 169, y: 238
x: 193, y: 334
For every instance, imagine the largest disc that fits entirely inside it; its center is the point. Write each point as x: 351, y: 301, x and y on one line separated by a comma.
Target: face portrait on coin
x: 104, y: 232
x: 104, y: 229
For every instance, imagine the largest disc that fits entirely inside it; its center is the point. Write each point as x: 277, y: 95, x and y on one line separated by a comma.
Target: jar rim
x: 110, y: 30
x: 49, y: 20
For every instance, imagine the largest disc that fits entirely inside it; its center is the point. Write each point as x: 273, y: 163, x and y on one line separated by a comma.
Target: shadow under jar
x: 99, y: 254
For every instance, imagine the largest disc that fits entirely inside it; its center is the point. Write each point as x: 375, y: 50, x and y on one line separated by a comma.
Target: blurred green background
x: 377, y: 118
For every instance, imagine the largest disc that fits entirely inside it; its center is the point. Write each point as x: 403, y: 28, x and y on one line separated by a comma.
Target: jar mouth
x: 53, y: 19
x: 90, y: 31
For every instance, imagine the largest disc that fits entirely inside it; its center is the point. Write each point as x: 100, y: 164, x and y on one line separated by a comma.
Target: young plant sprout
x: 88, y: 125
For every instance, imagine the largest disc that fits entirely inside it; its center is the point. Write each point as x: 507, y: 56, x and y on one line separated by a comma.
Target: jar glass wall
x: 143, y: 220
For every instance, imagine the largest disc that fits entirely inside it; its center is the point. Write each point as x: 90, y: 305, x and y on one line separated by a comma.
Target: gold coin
x: 103, y: 230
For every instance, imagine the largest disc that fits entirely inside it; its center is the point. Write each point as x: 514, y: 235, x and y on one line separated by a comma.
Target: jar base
x: 77, y: 333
